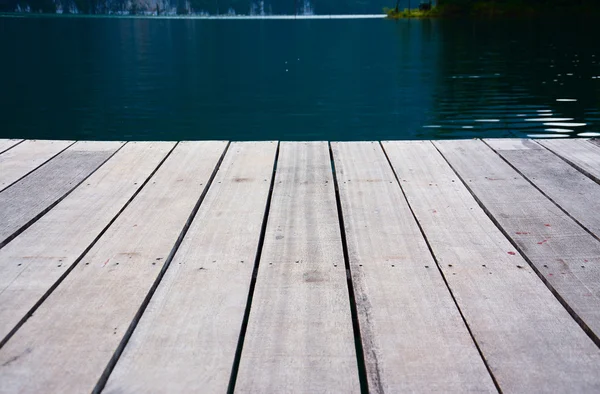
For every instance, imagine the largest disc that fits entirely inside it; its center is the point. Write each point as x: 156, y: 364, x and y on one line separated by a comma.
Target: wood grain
x: 27, y: 199
x: 32, y: 263
x: 413, y: 336
x: 529, y: 340
x: 299, y: 336
x: 7, y: 144
x: 564, y: 253
x: 187, y: 337
x: 579, y: 152
x: 65, y: 346
x: 17, y: 162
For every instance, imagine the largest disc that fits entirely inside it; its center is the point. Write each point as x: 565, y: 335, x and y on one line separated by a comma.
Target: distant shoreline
x: 491, y: 9
x: 214, y: 17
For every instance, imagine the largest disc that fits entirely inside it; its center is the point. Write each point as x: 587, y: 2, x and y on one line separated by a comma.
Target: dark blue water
x: 155, y: 79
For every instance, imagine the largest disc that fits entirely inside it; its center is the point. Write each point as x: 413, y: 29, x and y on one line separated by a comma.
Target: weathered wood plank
x: 580, y: 153
x: 563, y: 252
x: 187, y: 337
x: 570, y: 189
x: 7, y: 144
x: 510, y: 144
x: 413, y: 336
x: 299, y: 336
x: 529, y: 340
x: 34, y: 194
x: 38, y: 257
x: 65, y: 346
x: 26, y: 157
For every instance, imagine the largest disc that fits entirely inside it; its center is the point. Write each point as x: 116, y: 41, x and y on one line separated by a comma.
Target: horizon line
x: 238, y: 17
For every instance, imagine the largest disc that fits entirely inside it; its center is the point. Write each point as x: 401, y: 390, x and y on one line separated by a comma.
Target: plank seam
x: 360, y: 355
x: 4, y: 242
x: 442, y: 273
x: 68, y: 146
x: 72, y: 267
x: 572, y: 164
x: 544, y: 194
x: 138, y: 316
x: 10, y: 147
x: 570, y: 310
x: 261, y: 240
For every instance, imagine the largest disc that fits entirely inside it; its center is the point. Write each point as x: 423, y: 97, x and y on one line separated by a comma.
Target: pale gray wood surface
x: 7, y: 144
x: 37, y: 258
x: 564, y: 253
x: 187, y: 337
x: 579, y: 152
x: 17, y: 162
x: 65, y: 346
x: 514, y: 144
x: 529, y: 340
x: 570, y: 189
x: 27, y: 199
x: 300, y: 336
x: 413, y: 336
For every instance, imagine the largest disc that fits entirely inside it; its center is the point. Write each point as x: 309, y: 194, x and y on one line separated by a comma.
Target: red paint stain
x: 585, y: 260
x: 547, y: 225
x: 550, y: 274
x: 434, y: 211
x: 106, y: 262
x: 511, y: 253
x: 543, y: 242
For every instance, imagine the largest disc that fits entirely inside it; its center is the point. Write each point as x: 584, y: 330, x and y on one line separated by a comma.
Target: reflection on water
x: 297, y: 80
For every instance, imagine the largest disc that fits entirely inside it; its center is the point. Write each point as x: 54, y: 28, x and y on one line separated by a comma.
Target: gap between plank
x: 72, y: 267
x: 136, y: 319
x: 360, y: 355
x: 10, y: 147
x: 441, y: 272
x: 261, y: 240
x: 570, y: 310
x: 543, y: 193
x: 45, y: 211
x: 572, y: 164
x: 68, y: 146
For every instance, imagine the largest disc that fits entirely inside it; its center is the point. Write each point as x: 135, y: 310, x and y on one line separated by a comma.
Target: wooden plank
x: 563, y: 252
x: 37, y: 192
x: 409, y: 323
x: 579, y: 152
x: 26, y: 157
x: 187, y: 337
x: 299, y: 336
x: 65, y: 346
x: 7, y: 144
x: 529, y: 340
x: 510, y: 144
x: 574, y: 192
x: 39, y: 256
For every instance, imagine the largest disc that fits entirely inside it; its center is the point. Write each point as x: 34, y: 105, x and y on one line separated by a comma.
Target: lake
x: 351, y: 79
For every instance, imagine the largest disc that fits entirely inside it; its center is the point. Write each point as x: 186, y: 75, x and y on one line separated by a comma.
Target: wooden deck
x: 266, y: 267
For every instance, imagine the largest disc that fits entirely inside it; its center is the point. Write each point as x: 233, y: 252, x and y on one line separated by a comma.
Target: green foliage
x: 407, y: 13
x: 499, y: 8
